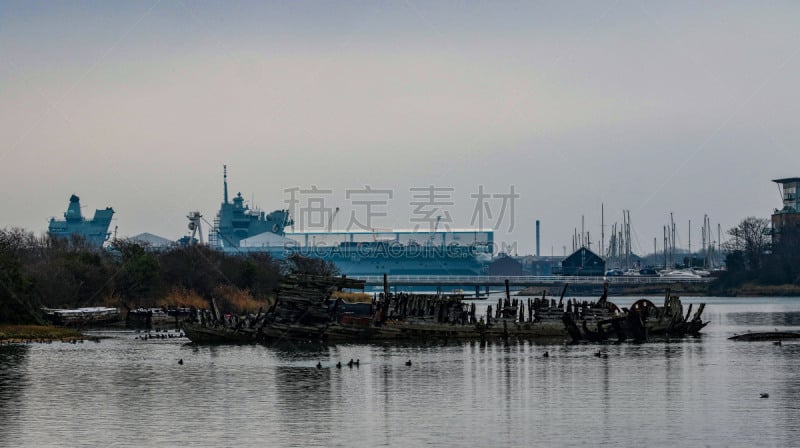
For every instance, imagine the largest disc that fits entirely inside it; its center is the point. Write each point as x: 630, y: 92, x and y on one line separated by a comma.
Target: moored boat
x: 83, y: 317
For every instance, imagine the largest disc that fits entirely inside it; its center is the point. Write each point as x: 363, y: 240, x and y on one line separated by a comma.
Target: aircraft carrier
x: 239, y: 229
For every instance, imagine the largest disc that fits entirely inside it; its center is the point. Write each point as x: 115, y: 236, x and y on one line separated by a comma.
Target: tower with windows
x: 789, y: 216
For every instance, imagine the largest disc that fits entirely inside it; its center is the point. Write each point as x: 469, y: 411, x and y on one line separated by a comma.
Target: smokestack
x: 538, y: 240
x: 225, y: 182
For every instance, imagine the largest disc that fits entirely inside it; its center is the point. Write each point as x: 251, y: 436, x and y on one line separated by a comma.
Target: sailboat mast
x: 690, y: 242
x: 602, y: 231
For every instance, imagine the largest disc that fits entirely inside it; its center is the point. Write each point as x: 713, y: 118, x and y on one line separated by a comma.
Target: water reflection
x: 763, y: 319
x: 12, y: 385
x: 701, y: 391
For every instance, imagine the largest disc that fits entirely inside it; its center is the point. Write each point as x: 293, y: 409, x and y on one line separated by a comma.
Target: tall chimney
x: 538, y: 240
x: 225, y: 182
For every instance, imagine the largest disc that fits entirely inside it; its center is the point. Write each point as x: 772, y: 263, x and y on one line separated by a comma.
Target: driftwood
x: 766, y: 336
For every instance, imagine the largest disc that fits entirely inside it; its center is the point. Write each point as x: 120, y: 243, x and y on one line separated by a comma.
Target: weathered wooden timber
x: 604, y: 320
x: 150, y: 318
x: 306, y: 310
x: 427, y: 317
x: 83, y: 317
x: 204, y: 333
x: 210, y: 326
x: 766, y: 336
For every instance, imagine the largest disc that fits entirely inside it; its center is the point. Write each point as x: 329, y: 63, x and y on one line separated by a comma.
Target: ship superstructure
x: 94, y: 232
x: 239, y: 229
x: 236, y: 221
x: 396, y: 252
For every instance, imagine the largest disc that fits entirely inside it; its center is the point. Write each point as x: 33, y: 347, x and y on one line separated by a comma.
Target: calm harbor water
x: 690, y: 392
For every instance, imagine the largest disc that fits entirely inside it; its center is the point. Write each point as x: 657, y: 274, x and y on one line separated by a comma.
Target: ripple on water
x: 126, y: 392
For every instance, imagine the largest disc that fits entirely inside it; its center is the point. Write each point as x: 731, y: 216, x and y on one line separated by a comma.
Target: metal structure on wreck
x: 643, y: 320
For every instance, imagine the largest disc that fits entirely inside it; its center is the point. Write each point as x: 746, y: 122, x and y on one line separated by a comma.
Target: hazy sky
x: 648, y: 106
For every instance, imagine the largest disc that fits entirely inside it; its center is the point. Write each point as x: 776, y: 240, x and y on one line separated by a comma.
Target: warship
x: 236, y: 221
x: 238, y: 228
x: 94, y: 232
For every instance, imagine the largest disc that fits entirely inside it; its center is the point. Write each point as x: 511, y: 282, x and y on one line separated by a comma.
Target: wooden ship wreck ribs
x: 603, y: 320
x: 307, y: 308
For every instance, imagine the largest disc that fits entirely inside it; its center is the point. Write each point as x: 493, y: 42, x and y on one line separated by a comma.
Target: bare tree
x: 299, y: 264
x: 750, y: 238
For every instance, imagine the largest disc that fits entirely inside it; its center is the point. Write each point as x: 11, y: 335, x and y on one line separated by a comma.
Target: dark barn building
x: 505, y: 265
x: 583, y: 262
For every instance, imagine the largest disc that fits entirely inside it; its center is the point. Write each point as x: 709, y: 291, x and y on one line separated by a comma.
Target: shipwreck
x: 306, y: 308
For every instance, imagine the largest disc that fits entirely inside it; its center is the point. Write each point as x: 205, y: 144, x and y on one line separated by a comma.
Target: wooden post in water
x: 508, y: 291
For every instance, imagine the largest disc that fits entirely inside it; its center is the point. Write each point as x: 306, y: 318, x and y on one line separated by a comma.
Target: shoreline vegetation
x: 16, y: 334
x: 39, y: 271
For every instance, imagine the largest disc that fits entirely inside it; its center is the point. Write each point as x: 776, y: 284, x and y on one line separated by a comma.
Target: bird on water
x: 319, y: 365
x: 408, y: 363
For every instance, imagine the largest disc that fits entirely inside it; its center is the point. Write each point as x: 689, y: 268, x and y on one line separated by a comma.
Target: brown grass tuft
x: 180, y: 297
x: 231, y: 299
x: 352, y: 297
x: 18, y: 333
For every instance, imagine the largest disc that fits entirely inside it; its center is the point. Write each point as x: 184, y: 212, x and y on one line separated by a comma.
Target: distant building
x: 583, y: 262
x: 533, y: 265
x: 152, y: 241
x: 788, y: 216
x: 505, y: 265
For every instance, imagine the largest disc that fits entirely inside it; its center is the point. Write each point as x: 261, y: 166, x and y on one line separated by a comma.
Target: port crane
x: 195, y: 226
